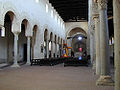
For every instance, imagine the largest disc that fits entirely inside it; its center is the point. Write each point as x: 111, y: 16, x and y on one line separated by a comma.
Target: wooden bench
x: 49, y: 61
x: 35, y: 62
x: 76, y: 62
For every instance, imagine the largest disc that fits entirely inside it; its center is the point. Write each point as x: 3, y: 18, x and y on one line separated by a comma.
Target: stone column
x: 15, y: 64
x: 59, y: 50
x: 97, y: 39
x: 104, y: 79
x: 116, y: 14
x: 52, y: 54
x: 92, y: 50
x: 28, y: 50
x: 56, y: 49
x: 47, y: 47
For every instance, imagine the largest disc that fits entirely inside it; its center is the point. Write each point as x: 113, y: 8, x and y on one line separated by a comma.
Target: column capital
x: 1, y: 25
x: 102, y: 4
x: 96, y: 18
x: 92, y: 25
x: 95, y: 8
x: 28, y: 36
x: 16, y: 33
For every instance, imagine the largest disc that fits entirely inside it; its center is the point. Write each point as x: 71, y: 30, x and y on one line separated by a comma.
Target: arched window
x: 37, y: 1
x: 46, y: 8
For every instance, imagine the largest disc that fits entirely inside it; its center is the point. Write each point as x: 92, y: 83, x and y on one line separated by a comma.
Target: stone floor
x: 49, y: 78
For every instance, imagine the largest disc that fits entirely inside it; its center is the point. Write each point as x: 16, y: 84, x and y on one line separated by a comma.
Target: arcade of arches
x: 37, y: 34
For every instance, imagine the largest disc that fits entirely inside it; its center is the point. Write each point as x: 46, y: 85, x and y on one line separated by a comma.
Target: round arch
x: 9, y: 7
x: 7, y: 43
x: 76, y: 44
x: 51, y: 36
x: 46, y: 43
x: 34, y: 35
x: 76, y: 30
x: 29, y: 25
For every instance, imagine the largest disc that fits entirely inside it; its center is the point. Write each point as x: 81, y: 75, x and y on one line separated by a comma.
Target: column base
x: 28, y: 63
x: 94, y: 66
x: 105, y: 81
x: 15, y: 66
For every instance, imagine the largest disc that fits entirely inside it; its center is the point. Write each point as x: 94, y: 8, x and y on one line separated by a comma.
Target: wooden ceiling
x: 71, y: 10
x: 75, y: 10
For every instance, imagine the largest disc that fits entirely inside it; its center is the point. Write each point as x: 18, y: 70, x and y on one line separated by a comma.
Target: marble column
x: 15, y: 64
x: 92, y: 50
x: 28, y: 50
x: 105, y: 78
x: 56, y: 49
x: 97, y: 40
x: 116, y: 15
x: 61, y: 49
x: 47, y: 47
x: 52, y: 54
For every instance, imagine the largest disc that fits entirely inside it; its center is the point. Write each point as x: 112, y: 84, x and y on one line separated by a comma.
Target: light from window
x: 3, y: 32
x: 58, y: 21
x: 55, y: 18
x: 46, y: 8
x: 61, y: 24
x: 37, y: 1
x: 110, y: 42
x: 52, y: 13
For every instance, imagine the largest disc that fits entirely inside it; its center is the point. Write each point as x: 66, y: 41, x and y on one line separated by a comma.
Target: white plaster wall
x: 3, y: 49
x: 35, y: 14
x: 71, y: 25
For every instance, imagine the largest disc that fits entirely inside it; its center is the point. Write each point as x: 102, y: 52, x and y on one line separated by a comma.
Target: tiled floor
x: 49, y: 78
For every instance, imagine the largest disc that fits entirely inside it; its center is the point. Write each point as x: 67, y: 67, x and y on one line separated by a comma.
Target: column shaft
x: 97, y: 37
x: 52, y: 54
x: 15, y: 64
x: 92, y: 49
x: 104, y: 39
x: 55, y: 49
x: 28, y: 50
x: 92, y: 44
x: 47, y: 47
x: 116, y: 13
x: 104, y: 79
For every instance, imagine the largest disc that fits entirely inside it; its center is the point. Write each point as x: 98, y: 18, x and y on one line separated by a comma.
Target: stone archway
x: 61, y: 46
x: 51, y: 45
x: 58, y: 47
x: 7, y: 41
x: 46, y: 42
x: 22, y: 42
x: 79, y: 47
x: 35, y: 28
x: 55, y: 46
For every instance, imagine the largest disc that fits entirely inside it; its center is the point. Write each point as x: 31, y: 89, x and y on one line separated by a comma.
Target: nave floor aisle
x: 49, y: 78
